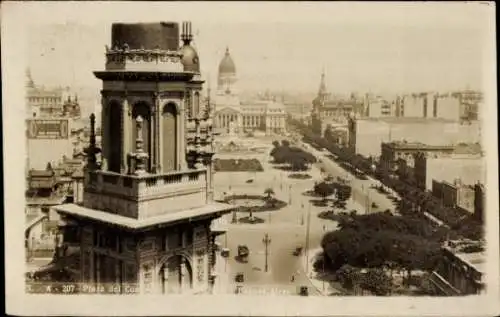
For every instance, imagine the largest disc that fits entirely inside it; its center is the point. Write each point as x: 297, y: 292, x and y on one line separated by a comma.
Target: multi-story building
x: 394, y: 153
x: 461, y: 269
x: 145, y: 222
x: 455, y: 194
x: 379, y: 107
x: 467, y: 168
x: 332, y: 109
x: 234, y: 116
x: 453, y: 106
x: 49, y: 102
x: 367, y: 134
x: 53, y: 121
x: 479, y: 199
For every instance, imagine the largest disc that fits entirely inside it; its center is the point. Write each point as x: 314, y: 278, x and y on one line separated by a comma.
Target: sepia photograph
x: 263, y: 158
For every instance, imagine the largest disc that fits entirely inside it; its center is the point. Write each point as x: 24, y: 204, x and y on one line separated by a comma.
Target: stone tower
x: 146, y: 217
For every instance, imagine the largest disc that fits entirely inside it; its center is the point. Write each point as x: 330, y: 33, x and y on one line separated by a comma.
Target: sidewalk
x: 312, y: 276
x: 222, y: 281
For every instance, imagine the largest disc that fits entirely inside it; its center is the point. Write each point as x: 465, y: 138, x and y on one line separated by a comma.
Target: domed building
x: 227, y: 73
x: 235, y: 117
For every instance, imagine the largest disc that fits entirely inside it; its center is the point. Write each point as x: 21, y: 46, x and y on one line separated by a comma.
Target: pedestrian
x: 293, y: 277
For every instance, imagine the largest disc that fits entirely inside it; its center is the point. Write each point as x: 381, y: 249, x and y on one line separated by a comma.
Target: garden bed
x: 300, y: 176
x: 238, y: 165
x: 263, y: 203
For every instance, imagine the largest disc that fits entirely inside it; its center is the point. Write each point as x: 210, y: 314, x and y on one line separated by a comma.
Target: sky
x: 363, y: 47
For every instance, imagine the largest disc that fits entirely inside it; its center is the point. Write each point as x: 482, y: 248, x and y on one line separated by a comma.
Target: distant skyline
x: 386, y: 51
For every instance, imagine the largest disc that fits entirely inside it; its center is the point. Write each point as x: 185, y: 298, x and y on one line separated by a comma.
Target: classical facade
x: 145, y: 224
x: 234, y: 116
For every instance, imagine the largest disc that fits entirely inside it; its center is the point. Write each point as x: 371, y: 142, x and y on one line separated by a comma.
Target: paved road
x: 360, y: 185
x: 286, y: 228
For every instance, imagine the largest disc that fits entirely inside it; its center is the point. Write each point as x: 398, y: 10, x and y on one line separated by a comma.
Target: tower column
x: 127, y: 137
x: 155, y: 131
x: 181, y: 138
x: 105, y: 133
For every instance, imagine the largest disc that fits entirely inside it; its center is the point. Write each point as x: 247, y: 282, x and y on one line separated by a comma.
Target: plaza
x: 286, y: 227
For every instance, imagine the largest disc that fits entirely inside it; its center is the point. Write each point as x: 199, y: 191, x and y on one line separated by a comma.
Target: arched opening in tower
x: 176, y: 275
x: 115, y: 142
x: 142, y: 109
x: 169, y: 134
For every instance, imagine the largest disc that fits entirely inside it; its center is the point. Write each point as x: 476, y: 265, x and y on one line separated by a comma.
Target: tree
x: 269, y: 192
x: 323, y: 189
x: 343, y: 192
x: 348, y: 276
x: 377, y: 282
x: 371, y: 240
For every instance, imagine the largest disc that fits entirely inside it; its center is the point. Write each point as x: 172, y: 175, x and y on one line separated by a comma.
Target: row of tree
x: 383, y: 241
x: 296, y: 158
x: 342, y: 191
x: 414, y: 201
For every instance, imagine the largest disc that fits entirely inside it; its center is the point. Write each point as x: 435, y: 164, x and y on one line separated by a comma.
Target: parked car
x: 239, y: 278
x: 303, y: 291
x: 224, y: 252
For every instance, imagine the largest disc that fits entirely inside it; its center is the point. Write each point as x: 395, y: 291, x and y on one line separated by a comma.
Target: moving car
x: 303, y: 291
x: 243, y: 251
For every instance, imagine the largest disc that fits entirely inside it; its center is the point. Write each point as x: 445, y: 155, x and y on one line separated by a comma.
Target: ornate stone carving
x: 200, y: 265
x: 140, y: 156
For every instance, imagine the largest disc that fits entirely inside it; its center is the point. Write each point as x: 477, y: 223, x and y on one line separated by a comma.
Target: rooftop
x: 405, y: 120
x: 467, y: 148
x: 416, y: 145
x: 470, y: 252
x: 139, y: 224
x: 47, y: 201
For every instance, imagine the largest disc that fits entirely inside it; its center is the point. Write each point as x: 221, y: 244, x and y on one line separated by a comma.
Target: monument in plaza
x: 146, y: 218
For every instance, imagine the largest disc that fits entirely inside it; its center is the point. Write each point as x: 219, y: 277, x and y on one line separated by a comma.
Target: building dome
x: 190, y: 59
x: 227, y: 66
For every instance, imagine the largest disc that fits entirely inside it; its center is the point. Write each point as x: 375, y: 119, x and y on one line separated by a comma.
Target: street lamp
x: 308, y: 228
x: 302, y: 216
x: 267, y: 242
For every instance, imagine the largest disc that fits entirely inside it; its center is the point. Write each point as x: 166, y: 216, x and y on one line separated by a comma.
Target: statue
x: 104, y: 164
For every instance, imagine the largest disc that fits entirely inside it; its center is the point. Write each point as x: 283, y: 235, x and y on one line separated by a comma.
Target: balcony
x: 145, y: 195
x: 145, y: 186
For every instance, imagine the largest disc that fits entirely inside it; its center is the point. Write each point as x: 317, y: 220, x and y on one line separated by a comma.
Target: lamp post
x: 307, y: 237
x: 266, y: 242
x: 302, y: 216
x: 323, y: 263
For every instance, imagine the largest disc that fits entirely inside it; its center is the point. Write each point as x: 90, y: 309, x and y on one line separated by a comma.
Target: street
x: 286, y: 228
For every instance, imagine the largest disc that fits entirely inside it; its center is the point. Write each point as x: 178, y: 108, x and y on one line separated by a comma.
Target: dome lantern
x: 227, y: 65
x: 190, y: 58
